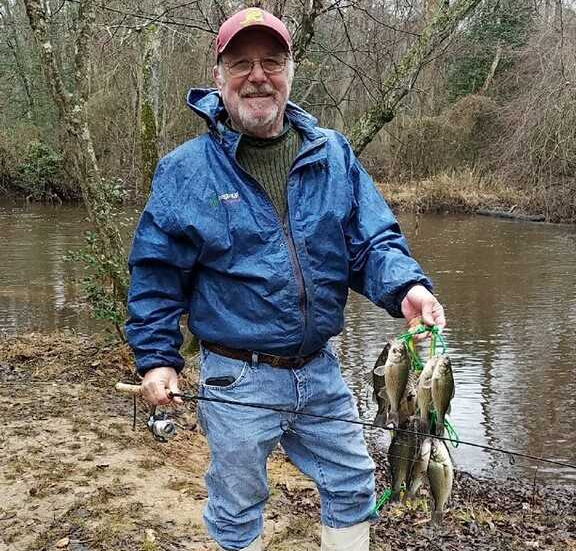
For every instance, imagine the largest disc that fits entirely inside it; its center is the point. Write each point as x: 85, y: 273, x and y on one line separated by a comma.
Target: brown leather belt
x: 293, y: 362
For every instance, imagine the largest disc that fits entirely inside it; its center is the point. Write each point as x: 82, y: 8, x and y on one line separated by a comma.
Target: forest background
x: 452, y: 105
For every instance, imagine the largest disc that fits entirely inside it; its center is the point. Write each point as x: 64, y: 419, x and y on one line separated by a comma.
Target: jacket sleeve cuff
x: 142, y: 367
x: 392, y: 303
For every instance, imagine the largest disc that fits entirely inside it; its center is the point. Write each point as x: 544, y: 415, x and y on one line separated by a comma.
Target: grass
x: 463, y: 191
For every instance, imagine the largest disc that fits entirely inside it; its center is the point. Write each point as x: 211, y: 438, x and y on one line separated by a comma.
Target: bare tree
x: 73, y: 119
x: 401, y: 79
x: 149, y: 104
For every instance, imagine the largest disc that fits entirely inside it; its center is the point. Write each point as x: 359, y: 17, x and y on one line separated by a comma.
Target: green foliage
x: 106, y: 278
x: 113, y: 193
x: 100, y: 290
x: 40, y: 170
x: 33, y: 168
x: 426, y: 146
x: 505, y: 24
x: 98, y: 286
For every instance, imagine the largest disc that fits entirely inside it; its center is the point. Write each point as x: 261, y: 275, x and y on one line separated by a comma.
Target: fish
x: 442, y: 391
x: 379, y: 384
x: 396, y: 372
x: 402, y: 454
x: 420, y: 469
x: 441, y: 477
x: 408, y: 402
x: 424, y: 393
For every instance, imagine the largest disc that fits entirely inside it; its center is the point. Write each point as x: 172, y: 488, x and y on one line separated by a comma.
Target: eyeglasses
x: 270, y: 65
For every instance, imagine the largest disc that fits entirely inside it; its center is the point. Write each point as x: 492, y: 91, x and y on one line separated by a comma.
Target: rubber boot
x: 352, y: 538
x: 256, y: 545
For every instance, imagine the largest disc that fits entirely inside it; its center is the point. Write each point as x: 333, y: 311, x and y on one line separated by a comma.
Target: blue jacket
x: 210, y: 243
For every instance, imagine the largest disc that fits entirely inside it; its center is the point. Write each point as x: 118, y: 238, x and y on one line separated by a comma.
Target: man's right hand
x: 157, y: 383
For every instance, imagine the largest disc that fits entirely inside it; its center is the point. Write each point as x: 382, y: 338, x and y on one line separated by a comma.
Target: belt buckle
x: 299, y: 363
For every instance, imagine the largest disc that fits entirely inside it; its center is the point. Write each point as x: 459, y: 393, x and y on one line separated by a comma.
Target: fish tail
x: 439, y: 428
x: 393, y: 418
x: 380, y: 420
x: 424, y: 426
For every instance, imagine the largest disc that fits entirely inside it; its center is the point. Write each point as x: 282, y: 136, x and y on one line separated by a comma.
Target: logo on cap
x: 252, y: 16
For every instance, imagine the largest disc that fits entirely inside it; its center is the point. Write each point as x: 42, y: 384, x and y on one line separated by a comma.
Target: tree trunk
x: 149, y: 106
x: 80, y: 149
x: 493, y: 69
x: 305, y: 32
x: 400, y: 82
x: 16, y: 47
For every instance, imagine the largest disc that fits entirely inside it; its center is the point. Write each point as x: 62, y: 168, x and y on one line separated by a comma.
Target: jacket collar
x: 207, y: 103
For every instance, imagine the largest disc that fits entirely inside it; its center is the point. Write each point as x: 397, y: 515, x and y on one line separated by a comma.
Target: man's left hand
x: 420, y: 304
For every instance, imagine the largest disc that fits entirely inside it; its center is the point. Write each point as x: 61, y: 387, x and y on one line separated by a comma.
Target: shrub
x: 426, y: 146
x: 537, y: 150
x: 40, y: 171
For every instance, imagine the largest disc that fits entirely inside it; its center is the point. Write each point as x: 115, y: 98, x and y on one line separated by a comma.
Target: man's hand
x: 420, y: 303
x: 157, y: 383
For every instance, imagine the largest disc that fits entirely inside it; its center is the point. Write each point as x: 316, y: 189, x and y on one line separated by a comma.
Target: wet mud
x: 75, y: 475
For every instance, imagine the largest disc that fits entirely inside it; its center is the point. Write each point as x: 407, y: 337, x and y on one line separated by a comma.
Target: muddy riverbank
x: 74, y: 475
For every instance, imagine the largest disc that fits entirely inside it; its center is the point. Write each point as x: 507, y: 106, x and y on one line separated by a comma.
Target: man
x: 257, y: 229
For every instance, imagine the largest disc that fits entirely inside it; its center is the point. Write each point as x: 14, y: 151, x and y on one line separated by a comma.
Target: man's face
x: 256, y: 101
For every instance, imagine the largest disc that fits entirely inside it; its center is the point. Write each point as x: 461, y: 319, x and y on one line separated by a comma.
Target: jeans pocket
x: 330, y: 352
x: 221, y: 373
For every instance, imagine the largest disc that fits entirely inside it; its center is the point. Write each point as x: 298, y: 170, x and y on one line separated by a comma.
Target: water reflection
x: 510, y: 295
x: 38, y: 288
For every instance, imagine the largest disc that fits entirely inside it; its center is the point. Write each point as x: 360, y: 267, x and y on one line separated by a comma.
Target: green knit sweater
x: 268, y: 161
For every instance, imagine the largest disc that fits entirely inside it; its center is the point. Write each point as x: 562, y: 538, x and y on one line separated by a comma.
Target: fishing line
x: 192, y: 397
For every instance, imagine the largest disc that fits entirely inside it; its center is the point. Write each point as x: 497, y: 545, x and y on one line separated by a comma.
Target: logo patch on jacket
x: 224, y: 198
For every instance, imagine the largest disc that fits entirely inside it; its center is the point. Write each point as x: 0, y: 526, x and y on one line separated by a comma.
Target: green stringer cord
x: 450, y: 430
x: 452, y: 434
x: 435, y: 339
x: 382, y: 500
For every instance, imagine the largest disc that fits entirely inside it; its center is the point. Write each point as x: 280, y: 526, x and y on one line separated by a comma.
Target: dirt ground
x: 75, y: 476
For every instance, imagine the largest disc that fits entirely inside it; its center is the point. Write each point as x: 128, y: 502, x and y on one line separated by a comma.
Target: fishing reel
x: 161, y: 427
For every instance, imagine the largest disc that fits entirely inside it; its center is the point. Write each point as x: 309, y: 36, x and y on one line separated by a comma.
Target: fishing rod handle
x: 128, y: 389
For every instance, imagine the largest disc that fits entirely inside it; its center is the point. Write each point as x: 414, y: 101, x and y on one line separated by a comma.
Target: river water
x: 509, y: 289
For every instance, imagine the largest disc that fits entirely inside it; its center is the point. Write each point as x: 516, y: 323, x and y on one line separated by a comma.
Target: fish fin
x: 379, y: 370
x: 383, y: 355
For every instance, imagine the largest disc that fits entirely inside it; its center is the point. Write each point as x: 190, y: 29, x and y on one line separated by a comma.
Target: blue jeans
x: 241, y: 438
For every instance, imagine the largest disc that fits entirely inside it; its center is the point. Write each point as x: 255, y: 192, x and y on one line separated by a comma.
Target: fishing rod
x: 188, y: 397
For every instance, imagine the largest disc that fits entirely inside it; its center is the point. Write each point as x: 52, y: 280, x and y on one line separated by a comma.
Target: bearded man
x: 257, y: 229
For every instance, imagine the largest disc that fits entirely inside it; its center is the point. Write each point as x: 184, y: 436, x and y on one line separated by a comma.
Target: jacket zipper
x: 286, y: 231
x: 297, y: 268
x: 294, y: 260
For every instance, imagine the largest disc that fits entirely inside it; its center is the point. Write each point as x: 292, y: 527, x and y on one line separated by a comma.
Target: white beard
x: 254, y: 124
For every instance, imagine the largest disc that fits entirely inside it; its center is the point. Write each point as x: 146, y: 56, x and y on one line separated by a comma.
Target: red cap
x: 251, y: 17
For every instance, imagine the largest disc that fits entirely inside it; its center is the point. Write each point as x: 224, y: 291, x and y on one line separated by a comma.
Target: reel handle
x: 128, y: 389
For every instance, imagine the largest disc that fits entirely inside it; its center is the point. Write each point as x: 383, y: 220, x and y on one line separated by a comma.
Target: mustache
x: 252, y: 90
